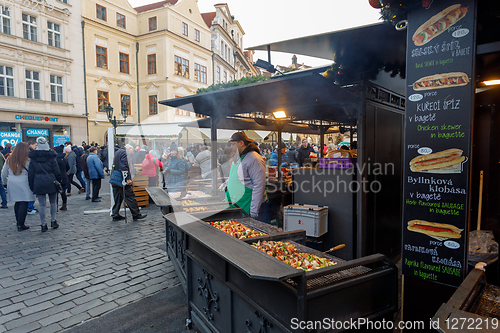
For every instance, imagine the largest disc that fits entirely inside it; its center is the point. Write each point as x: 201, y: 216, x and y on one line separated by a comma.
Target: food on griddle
x: 236, y: 229
x: 290, y: 255
x: 193, y: 209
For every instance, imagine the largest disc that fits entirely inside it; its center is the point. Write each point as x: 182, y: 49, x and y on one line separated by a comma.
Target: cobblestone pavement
x: 90, y: 266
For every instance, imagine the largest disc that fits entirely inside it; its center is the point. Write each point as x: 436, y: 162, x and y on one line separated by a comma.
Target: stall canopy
x: 302, y: 95
x: 359, y: 47
x: 149, y: 130
x: 244, y: 124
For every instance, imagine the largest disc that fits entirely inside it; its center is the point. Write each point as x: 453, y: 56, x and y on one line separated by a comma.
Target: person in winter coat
x: 71, y: 157
x: 149, y: 166
x: 42, y: 173
x: 15, y: 175
x: 62, y: 162
x: 304, y: 151
x: 204, y: 161
x: 121, y: 163
x: 176, y: 170
x: 96, y: 172
x: 290, y: 157
x: 79, y: 171
x: 6, y: 151
x: 274, y: 156
x: 226, y: 160
x: 104, y: 158
x: 139, y: 156
x: 83, y: 162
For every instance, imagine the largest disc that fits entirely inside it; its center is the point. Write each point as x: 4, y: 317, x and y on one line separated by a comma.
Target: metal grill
x: 488, y: 304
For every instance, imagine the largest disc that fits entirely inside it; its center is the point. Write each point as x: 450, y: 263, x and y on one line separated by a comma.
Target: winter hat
x: 59, y: 149
x: 42, y: 143
x: 87, y: 147
x: 173, y: 146
x: 67, y: 149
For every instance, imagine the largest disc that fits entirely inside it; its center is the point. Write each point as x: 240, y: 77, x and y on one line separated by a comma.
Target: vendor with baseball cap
x: 247, y: 179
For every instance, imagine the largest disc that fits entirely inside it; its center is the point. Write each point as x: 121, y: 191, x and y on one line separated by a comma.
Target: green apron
x: 236, y: 191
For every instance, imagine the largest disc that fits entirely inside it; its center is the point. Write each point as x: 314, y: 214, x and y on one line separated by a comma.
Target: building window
x: 101, y: 12
x: 225, y: 76
x: 151, y: 64
x: 54, y: 32
x: 102, y: 100
x: 101, y: 54
x: 124, y: 63
x: 29, y: 28
x: 197, y: 35
x: 184, y: 29
x: 125, y: 103
x: 32, y: 85
x: 181, y: 67
x: 56, y: 89
x: 120, y: 20
x: 200, y: 73
x: 152, y: 24
x: 4, y: 20
x: 153, y: 105
x: 6, y: 81
x: 217, y: 75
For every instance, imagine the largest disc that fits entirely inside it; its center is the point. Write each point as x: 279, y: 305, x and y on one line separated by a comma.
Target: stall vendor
x: 247, y: 178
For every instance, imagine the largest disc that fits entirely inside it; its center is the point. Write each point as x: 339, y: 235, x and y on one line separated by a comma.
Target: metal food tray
x: 488, y: 304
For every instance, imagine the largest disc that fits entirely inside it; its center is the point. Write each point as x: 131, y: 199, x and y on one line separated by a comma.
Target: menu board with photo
x: 440, y: 89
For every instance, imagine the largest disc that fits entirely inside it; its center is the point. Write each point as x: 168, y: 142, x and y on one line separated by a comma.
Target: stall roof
x: 149, y: 130
x: 304, y: 96
x: 358, y: 46
x: 241, y: 124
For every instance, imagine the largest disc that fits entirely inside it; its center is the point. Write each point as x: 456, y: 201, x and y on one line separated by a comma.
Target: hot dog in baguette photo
x: 434, y: 229
x: 438, y: 24
x: 437, y: 160
x: 437, y: 81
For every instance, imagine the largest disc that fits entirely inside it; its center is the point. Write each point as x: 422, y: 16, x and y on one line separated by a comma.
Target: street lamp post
x: 112, y: 119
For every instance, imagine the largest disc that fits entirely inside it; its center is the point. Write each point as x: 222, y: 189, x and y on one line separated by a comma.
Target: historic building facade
x: 136, y: 57
x: 41, y: 72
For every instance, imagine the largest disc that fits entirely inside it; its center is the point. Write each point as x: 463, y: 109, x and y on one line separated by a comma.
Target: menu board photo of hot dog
x: 439, y: 160
x: 438, y: 81
x: 438, y: 24
x: 433, y: 229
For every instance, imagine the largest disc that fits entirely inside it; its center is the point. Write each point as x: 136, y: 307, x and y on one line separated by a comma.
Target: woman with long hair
x: 15, y: 175
x: 42, y: 173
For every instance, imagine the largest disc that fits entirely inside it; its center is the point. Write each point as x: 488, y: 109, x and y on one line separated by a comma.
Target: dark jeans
x: 3, y: 195
x: 129, y: 199
x: 96, y: 186
x: 81, y: 179
x: 71, y: 181
x: 21, y: 210
x: 64, y: 197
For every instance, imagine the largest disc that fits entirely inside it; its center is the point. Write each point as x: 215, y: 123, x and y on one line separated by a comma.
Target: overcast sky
x: 266, y: 21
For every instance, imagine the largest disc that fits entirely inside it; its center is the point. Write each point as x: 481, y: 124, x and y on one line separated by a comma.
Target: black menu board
x: 439, y: 104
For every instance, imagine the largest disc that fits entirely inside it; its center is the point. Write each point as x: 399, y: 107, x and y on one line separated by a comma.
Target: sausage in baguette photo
x: 437, y: 81
x: 438, y: 24
x: 434, y: 229
x: 437, y: 160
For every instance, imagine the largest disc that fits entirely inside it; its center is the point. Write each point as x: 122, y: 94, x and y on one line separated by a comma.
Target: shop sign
x: 37, y: 132
x: 10, y: 137
x: 60, y: 139
x: 440, y: 89
x: 36, y: 118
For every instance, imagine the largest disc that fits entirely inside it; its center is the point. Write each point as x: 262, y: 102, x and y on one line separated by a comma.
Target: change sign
x: 440, y: 78
x: 10, y: 137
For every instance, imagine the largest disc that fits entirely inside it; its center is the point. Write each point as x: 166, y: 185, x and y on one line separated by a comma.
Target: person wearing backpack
x: 149, y: 167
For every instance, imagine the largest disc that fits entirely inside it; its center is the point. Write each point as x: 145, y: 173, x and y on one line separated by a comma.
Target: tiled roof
x: 155, y: 5
x: 208, y: 18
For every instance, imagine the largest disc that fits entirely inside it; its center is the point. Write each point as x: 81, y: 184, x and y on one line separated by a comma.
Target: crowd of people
x: 33, y: 171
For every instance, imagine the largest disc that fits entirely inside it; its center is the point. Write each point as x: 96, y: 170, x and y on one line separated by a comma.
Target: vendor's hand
x: 254, y: 215
x: 223, y: 186
x: 129, y: 182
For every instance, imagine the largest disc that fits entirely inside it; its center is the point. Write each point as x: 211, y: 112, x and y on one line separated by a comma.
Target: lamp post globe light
x: 112, y: 119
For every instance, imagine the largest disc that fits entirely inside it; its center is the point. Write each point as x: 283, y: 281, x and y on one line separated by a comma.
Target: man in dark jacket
x: 121, y: 163
x: 291, y: 157
x: 63, y: 168
x: 83, y: 162
x: 304, y: 152
x: 79, y: 171
x: 7, y: 149
x: 96, y: 173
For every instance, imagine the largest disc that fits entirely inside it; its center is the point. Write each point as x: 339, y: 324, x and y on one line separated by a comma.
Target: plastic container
x: 336, y: 163
x: 312, y: 219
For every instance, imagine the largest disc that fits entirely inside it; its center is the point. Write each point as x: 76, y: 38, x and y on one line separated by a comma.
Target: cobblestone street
x: 88, y: 267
